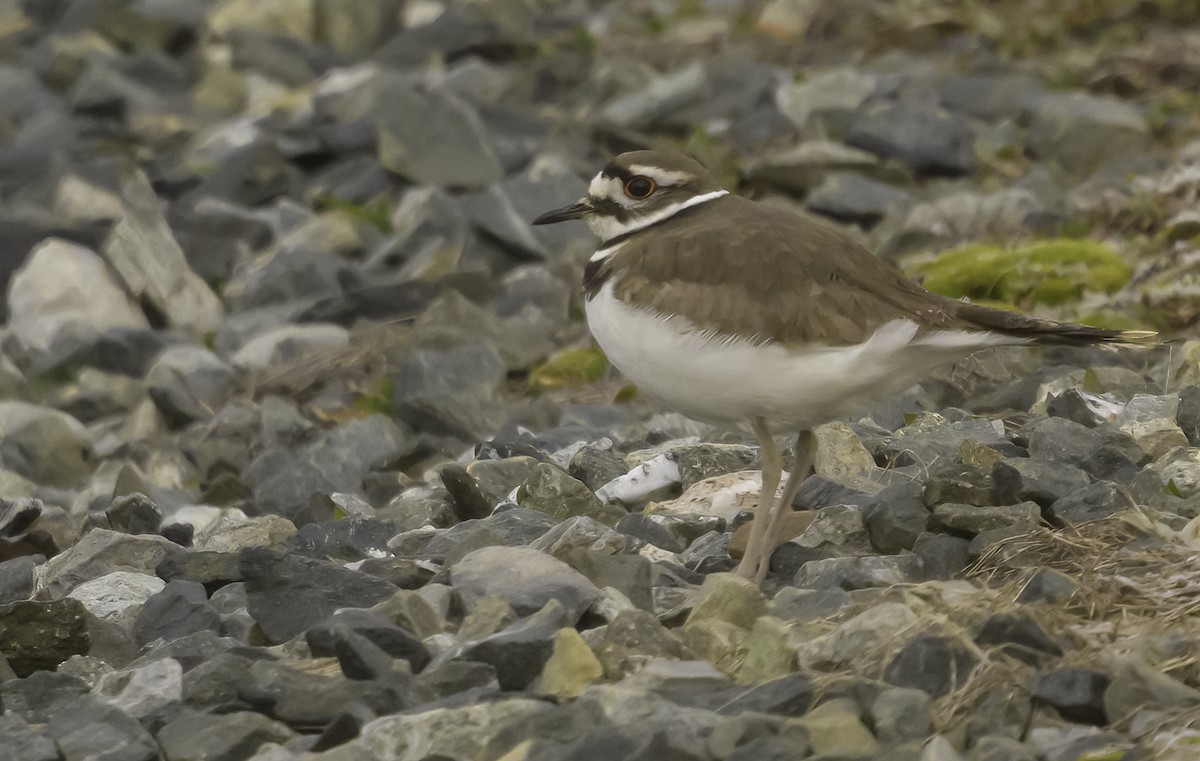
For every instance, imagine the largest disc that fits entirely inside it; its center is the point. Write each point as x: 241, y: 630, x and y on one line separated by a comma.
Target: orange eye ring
x: 640, y: 187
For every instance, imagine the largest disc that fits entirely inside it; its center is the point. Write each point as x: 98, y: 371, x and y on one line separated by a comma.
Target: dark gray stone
x: 86, y: 728
x: 1188, y: 416
x: 802, y: 605
x: 17, y: 579
x: 215, y: 683
x: 40, y: 696
x: 16, y: 515
x: 932, y: 663
x: 190, y: 650
x: 1092, y: 502
x: 1058, y: 440
x: 991, y: 96
x: 1077, y: 694
x: 189, y: 383
x: 519, y: 651
x: 896, y: 518
x: 1080, y: 131
x: 595, y: 466
x: 923, y: 137
x: 1048, y: 585
x: 468, y: 499
x: 433, y: 138
x: 972, y: 520
x: 1020, y: 479
x: 290, y: 593
x: 1018, y: 636
x: 323, y: 638
x: 933, y: 439
x: 134, y: 514
x: 788, y: 695
x: 219, y: 737
x: 453, y: 392
x: 343, y: 540
x: 631, y: 575
x: 179, y: 610
x: 852, y: 197
x: 944, y: 556
x: 37, y: 636
x: 646, y: 529
x: 516, y: 527
x: 302, y: 699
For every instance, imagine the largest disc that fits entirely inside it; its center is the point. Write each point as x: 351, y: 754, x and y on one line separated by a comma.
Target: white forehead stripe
x: 661, y: 176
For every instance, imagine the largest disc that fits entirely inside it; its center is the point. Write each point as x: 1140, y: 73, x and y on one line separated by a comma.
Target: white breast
x: 723, y: 379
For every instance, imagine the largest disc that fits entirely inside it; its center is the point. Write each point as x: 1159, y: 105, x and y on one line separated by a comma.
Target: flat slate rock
x: 290, y: 593
x: 526, y: 579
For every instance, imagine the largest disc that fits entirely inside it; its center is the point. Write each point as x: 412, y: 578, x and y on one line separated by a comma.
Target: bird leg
x: 804, y: 455
x: 772, y: 471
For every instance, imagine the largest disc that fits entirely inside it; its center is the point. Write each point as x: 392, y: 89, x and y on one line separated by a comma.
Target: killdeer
x: 734, y: 312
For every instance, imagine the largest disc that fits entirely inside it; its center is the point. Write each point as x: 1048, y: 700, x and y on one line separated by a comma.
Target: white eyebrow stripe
x: 661, y: 176
x: 608, y: 228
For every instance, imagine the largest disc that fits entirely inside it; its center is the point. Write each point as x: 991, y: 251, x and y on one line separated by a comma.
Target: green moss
x: 1046, y: 272
x: 379, y: 401
x: 573, y: 367
x: 377, y: 211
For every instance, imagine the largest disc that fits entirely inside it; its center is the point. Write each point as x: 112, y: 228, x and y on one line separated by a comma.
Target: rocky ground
x: 305, y: 452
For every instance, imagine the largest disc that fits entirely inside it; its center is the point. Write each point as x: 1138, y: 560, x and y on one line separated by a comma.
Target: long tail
x: 1050, y: 332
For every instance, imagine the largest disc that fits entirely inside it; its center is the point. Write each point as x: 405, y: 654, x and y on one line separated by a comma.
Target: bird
x: 741, y: 314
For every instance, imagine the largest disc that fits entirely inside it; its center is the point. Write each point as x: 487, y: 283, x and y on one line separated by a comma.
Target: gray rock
x: 579, y: 533
x: 117, y: 597
x: 470, y: 502
x: 450, y: 732
x: 286, y: 343
x: 220, y: 737
x: 44, y: 445
x: 970, y: 519
x: 902, y: 714
x: 944, y: 556
x: 328, y: 637
x: 1092, y: 502
x: 63, y: 299
x: 795, y: 605
x: 519, y: 651
x: 932, y: 438
x: 144, y: 253
x: 1079, y: 131
x: 179, y: 609
x: 1151, y: 421
x: 1048, y: 585
x: 37, y: 636
x: 802, y: 167
x: 931, y: 663
x: 134, y: 514
x: 896, y: 518
x: 289, y: 593
x: 659, y: 97
x: 551, y: 490
x: 991, y: 96
x: 1077, y: 694
x: 17, y: 579
x: 1136, y: 685
x: 454, y: 392
x: 921, y: 136
x: 999, y: 748
x: 1020, y: 479
x: 827, y: 99
x: 1020, y: 637
x: 433, y: 138
x: 861, y: 572
x: 89, y: 728
x: 18, y: 514
x: 101, y: 552
x: 189, y: 383
x: 964, y: 216
x: 41, y: 695
x: 631, y: 575
x: 525, y: 578
x: 851, y: 197
x: 143, y: 691
x: 512, y: 528
x: 1188, y: 416
x: 21, y: 743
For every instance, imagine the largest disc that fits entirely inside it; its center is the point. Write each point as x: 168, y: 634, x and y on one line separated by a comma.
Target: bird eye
x: 639, y: 187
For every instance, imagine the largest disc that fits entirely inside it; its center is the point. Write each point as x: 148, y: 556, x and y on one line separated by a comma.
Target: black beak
x: 566, y: 213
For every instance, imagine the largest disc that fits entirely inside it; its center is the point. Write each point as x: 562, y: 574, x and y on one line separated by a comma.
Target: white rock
x: 118, y: 596
x: 638, y: 484
x: 142, y: 691
x: 288, y: 342
x: 725, y: 495
x: 64, y: 297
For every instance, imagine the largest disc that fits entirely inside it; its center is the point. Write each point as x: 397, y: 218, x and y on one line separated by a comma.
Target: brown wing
x: 809, y: 284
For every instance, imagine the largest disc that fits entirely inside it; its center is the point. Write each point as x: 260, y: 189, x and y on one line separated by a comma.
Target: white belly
x: 727, y: 380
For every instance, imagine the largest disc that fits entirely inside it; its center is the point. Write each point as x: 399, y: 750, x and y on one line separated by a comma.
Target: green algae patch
x: 568, y: 369
x: 1046, y: 272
